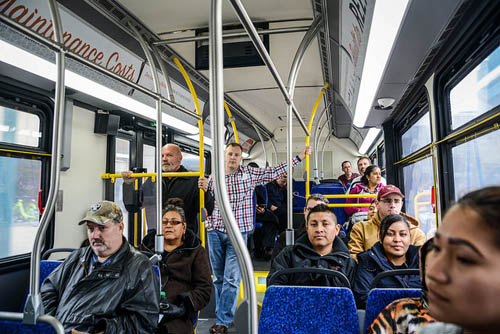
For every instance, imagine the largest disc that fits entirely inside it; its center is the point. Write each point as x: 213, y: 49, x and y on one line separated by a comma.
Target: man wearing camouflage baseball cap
x: 104, y: 228
x: 107, y: 287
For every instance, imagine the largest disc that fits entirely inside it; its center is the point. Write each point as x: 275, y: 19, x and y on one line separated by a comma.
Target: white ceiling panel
x: 252, y: 87
x: 170, y: 15
x: 268, y: 106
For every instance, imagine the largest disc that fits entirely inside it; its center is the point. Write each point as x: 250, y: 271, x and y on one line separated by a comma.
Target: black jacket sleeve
x: 51, y: 290
x: 209, y: 202
x: 280, y: 262
x: 201, y: 281
x: 364, y: 276
x: 139, y: 310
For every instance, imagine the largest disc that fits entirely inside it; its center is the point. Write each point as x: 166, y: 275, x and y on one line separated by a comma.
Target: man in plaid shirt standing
x: 240, y: 183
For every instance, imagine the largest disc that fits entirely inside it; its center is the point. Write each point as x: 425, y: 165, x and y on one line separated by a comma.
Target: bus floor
x: 207, y: 315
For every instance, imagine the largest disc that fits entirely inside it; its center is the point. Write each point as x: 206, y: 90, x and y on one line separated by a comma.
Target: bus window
x: 149, y: 205
x: 418, y: 183
x: 417, y: 136
x: 149, y: 158
x: 191, y: 161
x: 478, y: 92
x: 19, y: 185
x: 20, y: 182
x: 17, y: 127
x: 122, y: 162
x: 476, y: 164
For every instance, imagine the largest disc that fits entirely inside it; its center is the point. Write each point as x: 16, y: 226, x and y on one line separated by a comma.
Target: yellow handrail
x: 348, y: 205
x: 417, y: 204
x: 106, y: 176
x: 352, y: 196
x: 308, y: 138
x: 201, y: 148
x: 236, y: 139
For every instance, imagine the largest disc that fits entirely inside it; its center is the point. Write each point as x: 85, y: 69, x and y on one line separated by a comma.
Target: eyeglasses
x: 389, y: 201
x: 171, y: 222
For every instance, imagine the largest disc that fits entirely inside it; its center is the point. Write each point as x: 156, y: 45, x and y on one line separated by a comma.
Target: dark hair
x: 374, y: 201
x: 425, y: 250
x: 486, y: 203
x: 234, y: 145
x: 368, y: 171
x: 317, y: 197
x: 321, y: 208
x: 388, y: 221
x: 175, y: 204
x: 342, y: 165
x: 253, y: 164
x: 362, y: 158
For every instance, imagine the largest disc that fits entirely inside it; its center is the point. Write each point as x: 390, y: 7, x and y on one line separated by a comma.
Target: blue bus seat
x: 333, y: 189
x: 378, y: 299
x: 299, y: 194
x: 15, y: 327
x: 295, y: 309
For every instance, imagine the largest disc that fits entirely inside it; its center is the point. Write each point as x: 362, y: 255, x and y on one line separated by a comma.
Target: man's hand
x: 203, y: 183
x: 126, y: 176
x: 260, y: 210
x: 274, y: 208
x: 305, y: 150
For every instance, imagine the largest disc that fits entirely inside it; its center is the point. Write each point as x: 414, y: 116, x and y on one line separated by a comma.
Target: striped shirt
x: 240, y: 186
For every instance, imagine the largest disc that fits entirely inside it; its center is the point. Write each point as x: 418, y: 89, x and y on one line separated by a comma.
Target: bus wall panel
x: 14, y: 287
x: 81, y: 184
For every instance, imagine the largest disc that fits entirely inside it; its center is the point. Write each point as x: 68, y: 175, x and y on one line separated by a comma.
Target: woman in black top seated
x: 393, y: 251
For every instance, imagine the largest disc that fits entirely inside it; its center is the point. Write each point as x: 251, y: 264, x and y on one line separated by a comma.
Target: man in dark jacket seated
x: 107, y: 287
x: 319, y: 248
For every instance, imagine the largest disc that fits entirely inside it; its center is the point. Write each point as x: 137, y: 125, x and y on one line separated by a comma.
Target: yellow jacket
x: 365, y: 234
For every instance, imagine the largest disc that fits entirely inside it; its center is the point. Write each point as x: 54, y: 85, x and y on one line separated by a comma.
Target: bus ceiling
x: 411, y: 57
x: 250, y: 92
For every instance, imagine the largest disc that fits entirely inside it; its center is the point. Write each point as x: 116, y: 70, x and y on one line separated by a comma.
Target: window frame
x: 472, y: 51
x: 14, y: 94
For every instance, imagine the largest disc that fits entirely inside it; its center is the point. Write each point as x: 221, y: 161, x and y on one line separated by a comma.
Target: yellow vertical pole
x: 136, y: 186
x: 308, y: 138
x: 201, y: 146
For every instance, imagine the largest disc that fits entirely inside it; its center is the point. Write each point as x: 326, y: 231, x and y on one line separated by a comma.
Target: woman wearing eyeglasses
x: 185, y: 270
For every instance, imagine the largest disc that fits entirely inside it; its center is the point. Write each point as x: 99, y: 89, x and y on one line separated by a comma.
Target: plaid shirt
x: 240, y: 186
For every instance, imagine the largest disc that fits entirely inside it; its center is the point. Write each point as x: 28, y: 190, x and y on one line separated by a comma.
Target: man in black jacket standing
x: 185, y: 188
x: 107, y: 287
x: 319, y: 248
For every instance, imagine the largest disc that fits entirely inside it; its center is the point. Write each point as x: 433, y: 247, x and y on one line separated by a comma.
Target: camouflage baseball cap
x: 102, y: 212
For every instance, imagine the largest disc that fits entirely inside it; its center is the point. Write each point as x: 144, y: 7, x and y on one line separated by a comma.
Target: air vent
x: 238, y: 52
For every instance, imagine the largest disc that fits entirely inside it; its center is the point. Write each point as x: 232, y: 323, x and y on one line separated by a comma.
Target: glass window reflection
x: 478, y: 92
